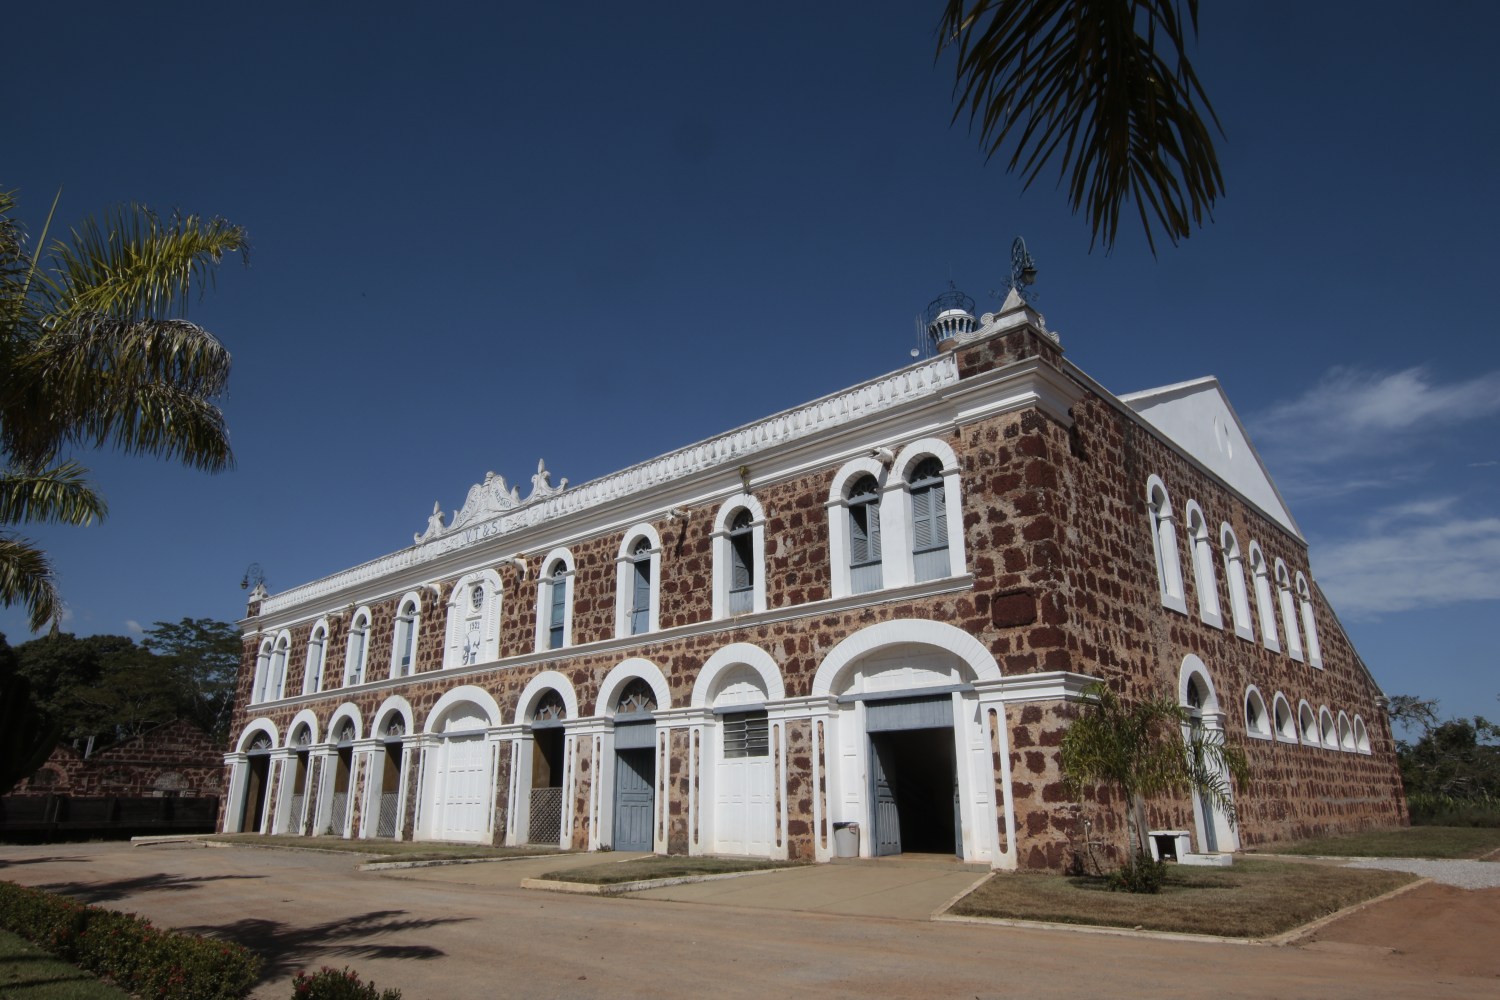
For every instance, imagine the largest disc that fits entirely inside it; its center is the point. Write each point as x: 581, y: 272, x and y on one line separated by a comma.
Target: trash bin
x: 846, y: 840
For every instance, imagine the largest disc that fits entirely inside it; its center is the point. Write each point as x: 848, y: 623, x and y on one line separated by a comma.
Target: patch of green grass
x: 1410, y: 842
x: 29, y: 973
x: 1251, y: 899
x: 612, y: 873
x: 383, y: 850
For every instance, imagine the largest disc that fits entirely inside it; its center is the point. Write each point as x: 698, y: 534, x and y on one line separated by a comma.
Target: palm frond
x: 135, y: 265
x: 58, y: 494
x: 26, y: 579
x: 1104, y: 87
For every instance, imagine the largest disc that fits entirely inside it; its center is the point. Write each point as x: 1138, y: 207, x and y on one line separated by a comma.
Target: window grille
x: 746, y: 734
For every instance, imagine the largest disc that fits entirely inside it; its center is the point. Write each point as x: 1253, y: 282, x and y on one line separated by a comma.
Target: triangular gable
x: 1197, y: 417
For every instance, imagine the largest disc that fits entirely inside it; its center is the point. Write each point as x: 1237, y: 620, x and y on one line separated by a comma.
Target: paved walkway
x: 468, y: 932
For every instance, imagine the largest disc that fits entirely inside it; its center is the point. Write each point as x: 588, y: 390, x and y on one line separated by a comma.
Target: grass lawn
x: 1252, y: 898
x: 29, y: 973
x: 612, y: 873
x: 1410, y: 842
x: 384, y: 850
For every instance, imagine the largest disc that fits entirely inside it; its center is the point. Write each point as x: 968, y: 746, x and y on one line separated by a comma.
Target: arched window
x: 739, y: 548
x: 929, y: 521
x: 1234, y: 574
x: 317, y: 655
x: 358, y: 648
x: 1346, y: 733
x: 554, y: 601
x: 1307, y: 725
x: 1257, y: 719
x: 276, y: 681
x: 637, y: 583
x: 1361, y: 736
x: 1309, y: 623
x: 1327, y: 729
x: 864, y: 535
x: 404, y: 646
x: 1204, y: 581
x: 741, y: 564
x: 262, y: 671
x: 557, y: 604
x: 1264, y: 603
x: 1164, y: 546
x: 1288, y: 611
x: 1286, y: 726
x: 473, y: 634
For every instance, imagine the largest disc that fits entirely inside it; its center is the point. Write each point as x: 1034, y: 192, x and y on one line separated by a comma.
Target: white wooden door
x: 464, y: 788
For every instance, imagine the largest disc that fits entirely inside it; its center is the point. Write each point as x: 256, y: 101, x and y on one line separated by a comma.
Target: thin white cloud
x: 1421, y: 554
x: 1354, y: 412
x: 1484, y: 465
x: 134, y: 627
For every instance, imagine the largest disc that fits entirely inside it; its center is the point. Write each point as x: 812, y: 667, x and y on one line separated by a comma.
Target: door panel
x: 635, y: 775
x: 887, y: 820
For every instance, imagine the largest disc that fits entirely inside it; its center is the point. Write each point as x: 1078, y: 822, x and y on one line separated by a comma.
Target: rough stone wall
x: 799, y: 790
x: 177, y: 758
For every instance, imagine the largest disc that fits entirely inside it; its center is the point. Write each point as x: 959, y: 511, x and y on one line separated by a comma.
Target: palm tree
x: 1087, y: 82
x: 96, y: 351
x: 1144, y: 749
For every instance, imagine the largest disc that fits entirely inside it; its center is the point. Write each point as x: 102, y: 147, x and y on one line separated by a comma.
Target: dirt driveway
x: 480, y: 936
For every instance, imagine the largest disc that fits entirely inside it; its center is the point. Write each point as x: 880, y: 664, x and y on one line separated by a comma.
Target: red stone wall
x: 176, y: 758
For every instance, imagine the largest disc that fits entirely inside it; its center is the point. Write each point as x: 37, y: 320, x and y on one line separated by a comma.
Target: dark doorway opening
x: 257, y: 778
x: 915, y: 797
x: 546, y: 785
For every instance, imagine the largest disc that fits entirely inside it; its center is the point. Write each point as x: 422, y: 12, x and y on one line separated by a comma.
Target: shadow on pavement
x: 107, y: 892
x: 13, y: 862
x: 288, y: 949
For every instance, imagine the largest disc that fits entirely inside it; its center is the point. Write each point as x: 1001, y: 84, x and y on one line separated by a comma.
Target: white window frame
x: 413, y: 626
x: 1234, y: 574
x: 625, y: 582
x: 899, y: 537
x: 1327, y: 728
x: 312, y: 671
x: 262, y: 670
x: 1258, y: 722
x: 465, y: 621
x: 281, y: 658
x: 1288, y: 611
x: 839, y: 545
x: 356, y: 667
x: 1164, y: 545
x: 1264, y: 603
x: 723, y: 553
x: 1346, y: 732
x: 1309, y: 622
x: 545, y: 582
x: 1205, y: 581
x: 1361, y: 736
x: 1287, y: 732
x: 1307, y: 725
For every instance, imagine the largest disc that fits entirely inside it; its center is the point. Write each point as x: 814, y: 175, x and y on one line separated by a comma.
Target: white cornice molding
x: 1050, y: 685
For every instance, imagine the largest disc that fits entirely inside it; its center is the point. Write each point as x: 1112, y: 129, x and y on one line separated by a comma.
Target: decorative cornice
x: 1051, y: 685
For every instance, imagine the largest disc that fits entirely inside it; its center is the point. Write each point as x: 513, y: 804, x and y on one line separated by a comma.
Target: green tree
x: 1102, y: 87
x: 1458, y: 759
x: 96, y: 352
x: 27, y: 735
x: 1144, y: 749
x: 203, y: 654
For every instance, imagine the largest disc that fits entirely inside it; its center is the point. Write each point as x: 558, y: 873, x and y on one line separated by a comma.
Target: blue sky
x: 592, y: 233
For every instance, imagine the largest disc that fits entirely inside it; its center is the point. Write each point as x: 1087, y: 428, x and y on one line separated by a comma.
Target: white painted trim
x: 1164, y: 546
x: 411, y: 599
x: 624, y: 672
x: 466, y: 693
x: 1268, y: 732
x: 953, y: 506
x: 468, y: 628
x: 1234, y: 574
x: 1264, y: 606
x: 313, y: 684
x: 547, y: 680
x: 1288, y: 611
x: 970, y: 651
x: 1291, y: 716
x: 723, y: 553
x: 625, y: 583
x: 306, y: 716
x: 261, y: 724
x: 346, y: 710
x: 400, y: 706
x: 839, y: 544
x: 1205, y: 583
x: 545, y: 581
x: 734, y: 655
x: 356, y: 670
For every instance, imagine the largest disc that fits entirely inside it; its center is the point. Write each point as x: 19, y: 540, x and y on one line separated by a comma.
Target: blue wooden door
x: 635, y: 775
x: 886, y: 819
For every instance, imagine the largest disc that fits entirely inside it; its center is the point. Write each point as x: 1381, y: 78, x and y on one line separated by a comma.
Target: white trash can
x: 846, y: 840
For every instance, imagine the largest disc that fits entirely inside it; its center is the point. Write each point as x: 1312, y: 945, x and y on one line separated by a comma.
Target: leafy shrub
x: 1435, y: 809
x: 331, y: 984
x: 141, y: 958
x: 1140, y: 875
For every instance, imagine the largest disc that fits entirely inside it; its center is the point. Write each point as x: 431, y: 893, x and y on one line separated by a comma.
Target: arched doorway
x: 635, y: 767
x: 257, y: 782
x: 548, y: 752
x: 388, y: 814
x: 744, y: 805
x: 462, y: 779
x: 339, y: 809
x: 1215, y: 832
x: 296, y: 814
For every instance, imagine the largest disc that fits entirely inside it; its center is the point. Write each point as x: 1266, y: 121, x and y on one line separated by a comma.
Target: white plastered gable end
x: 547, y: 598
x: 1163, y: 525
x: 726, y: 560
x: 638, y: 582
x: 473, y: 632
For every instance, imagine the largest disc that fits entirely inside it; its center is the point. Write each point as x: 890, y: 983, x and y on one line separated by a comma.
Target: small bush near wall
x: 331, y: 984
x: 1432, y: 809
x: 138, y: 957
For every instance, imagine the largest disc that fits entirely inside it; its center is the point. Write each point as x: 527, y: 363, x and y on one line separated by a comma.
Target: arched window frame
x: 724, y: 538
x: 1284, y: 721
x: 317, y: 657
x: 1309, y: 622
x: 552, y: 585
x: 1288, y: 611
x: 357, y: 648
x: 1257, y: 717
x: 1164, y: 545
x: 1327, y: 728
x: 1307, y: 725
x: 840, y: 525
x: 632, y: 555
x: 905, y: 495
x: 1361, y: 736
x: 473, y: 633
x: 1346, y: 733
x: 1265, y: 605
x: 1205, y: 581
x: 262, y: 670
x: 404, y: 635
x: 281, y: 658
x: 1234, y: 575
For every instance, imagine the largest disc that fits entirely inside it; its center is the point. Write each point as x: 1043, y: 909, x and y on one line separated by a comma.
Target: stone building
x: 878, y: 608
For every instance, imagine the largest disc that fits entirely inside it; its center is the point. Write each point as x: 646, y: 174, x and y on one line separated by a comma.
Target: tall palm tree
x: 1103, y: 86
x: 96, y: 352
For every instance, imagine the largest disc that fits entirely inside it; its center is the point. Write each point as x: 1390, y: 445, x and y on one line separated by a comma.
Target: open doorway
x: 914, y: 792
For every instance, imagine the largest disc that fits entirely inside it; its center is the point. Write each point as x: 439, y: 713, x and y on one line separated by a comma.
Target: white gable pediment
x: 1197, y: 417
